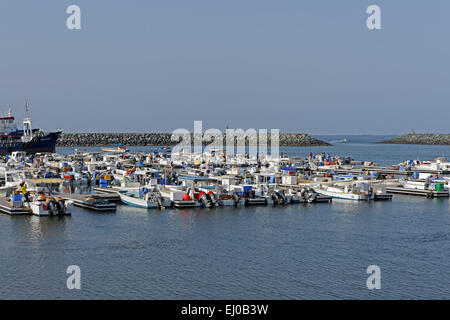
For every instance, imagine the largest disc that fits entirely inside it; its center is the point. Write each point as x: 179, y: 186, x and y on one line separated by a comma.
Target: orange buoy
x: 186, y: 197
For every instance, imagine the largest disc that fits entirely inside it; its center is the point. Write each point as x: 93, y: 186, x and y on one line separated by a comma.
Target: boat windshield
x: 12, y: 177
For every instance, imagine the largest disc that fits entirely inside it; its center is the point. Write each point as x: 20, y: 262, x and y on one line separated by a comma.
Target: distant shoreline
x: 164, y: 139
x: 420, y: 138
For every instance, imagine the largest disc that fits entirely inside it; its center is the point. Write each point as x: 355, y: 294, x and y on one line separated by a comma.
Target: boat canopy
x: 45, y: 180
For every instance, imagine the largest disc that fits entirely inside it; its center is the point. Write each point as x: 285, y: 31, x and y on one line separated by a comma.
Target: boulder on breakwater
x: 165, y: 139
x: 420, y: 138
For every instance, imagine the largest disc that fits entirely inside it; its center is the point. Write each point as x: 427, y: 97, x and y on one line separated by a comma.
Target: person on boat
x: 427, y: 182
x: 23, y: 188
x: 129, y: 171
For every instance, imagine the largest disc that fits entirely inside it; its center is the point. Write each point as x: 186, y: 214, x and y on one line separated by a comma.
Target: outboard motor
x: 275, y: 198
x: 160, y: 202
x: 281, y: 197
x: 250, y: 194
x: 204, y: 199
x: 235, y: 197
x: 89, y: 178
x: 312, y: 196
x: 369, y: 194
x: 302, y: 194
x: 60, y: 205
x: 213, y: 198
x: 209, y: 198
x: 52, y: 206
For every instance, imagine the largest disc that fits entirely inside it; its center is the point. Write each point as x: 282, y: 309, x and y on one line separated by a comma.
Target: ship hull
x: 45, y: 143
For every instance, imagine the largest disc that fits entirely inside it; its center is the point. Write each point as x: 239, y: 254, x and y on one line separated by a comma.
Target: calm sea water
x: 318, y: 251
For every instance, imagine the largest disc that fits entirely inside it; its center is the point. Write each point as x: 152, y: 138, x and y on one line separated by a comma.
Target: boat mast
x: 27, y: 131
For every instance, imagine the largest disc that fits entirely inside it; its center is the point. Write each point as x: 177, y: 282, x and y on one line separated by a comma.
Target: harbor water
x: 309, y: 251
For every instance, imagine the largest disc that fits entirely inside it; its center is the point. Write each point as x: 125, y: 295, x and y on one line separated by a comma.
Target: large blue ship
x: 27, y: 139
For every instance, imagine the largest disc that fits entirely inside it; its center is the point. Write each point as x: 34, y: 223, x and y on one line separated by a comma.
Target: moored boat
x: 28, y: 139
x: 119, y: 148
x: 51, y: 206
x: 358, y: 191
x: 143, y: 198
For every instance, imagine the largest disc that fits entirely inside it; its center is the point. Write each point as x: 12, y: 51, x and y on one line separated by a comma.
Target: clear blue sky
x: 298, y: 66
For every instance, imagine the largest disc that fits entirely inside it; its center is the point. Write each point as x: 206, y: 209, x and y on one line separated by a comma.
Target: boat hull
x: 46, y: 143
x: 132, y: 199
x: 345, y: 196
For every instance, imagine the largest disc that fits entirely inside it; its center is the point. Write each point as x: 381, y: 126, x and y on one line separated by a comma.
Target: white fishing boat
x: 302, y: 195
x: 173, y: 193
x: 340, y: 141
x: 430, y: 189
x: 268, y: 192
x: 120, y: 148
x: 357, y: 191
x: 144, y: 198
x: 50, y: 206
x: 219, y: 196
x: 227, y: 199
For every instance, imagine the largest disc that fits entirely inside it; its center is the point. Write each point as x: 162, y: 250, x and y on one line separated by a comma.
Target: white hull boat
x: 346, y: 193
x: 55, y: 207
x: 115, y: 149
x: 147, y: 200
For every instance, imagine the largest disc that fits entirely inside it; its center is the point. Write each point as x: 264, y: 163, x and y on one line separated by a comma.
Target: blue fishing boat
x: 27, y: 139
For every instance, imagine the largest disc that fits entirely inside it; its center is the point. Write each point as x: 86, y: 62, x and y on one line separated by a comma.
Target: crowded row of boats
x: 50, y: 183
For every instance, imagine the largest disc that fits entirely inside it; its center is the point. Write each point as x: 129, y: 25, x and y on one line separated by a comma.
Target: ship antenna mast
x: 27, y: 110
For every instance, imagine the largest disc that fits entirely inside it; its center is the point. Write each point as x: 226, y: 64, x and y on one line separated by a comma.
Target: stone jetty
x: 165, y: 139
x: 420, y: 138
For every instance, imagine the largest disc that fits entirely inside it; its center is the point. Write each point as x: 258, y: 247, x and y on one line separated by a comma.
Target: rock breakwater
x: 165, y: 139
x: 420, y: 138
